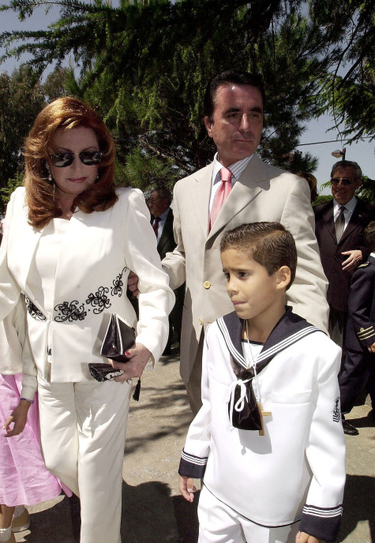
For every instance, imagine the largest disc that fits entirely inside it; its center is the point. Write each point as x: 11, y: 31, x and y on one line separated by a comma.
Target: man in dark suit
x: 339, y: 226
x: 159, y: 203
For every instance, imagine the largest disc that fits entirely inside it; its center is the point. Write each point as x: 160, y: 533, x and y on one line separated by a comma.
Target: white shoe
x: 21, y: 522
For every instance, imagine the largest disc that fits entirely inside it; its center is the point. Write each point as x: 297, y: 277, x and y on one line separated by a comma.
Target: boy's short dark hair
x: 369, y: 236
x: 268, y: 243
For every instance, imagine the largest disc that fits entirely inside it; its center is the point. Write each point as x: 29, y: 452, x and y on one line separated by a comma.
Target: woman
x: 70, y: 240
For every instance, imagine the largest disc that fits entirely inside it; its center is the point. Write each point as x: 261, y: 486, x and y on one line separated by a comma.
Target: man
x: 339, y: 230
x: 159, y: 203
x: 259, y: 192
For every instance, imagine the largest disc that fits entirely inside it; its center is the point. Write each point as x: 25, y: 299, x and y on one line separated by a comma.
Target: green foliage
x: 5, y: 192
x: 145, y: 65
x: 22, y: 96
x: 348, y: 88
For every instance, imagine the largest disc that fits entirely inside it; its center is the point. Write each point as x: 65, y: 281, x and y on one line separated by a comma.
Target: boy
x: 268, y: 437
x: 358, y: 369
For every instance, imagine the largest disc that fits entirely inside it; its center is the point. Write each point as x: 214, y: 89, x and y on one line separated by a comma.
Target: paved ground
x: 153, y: 510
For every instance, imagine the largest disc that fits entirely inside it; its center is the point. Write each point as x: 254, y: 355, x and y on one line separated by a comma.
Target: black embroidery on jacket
x: 70, y: 311
x: 33, y: 310
x: 99, y: 300
x: 118, y: 284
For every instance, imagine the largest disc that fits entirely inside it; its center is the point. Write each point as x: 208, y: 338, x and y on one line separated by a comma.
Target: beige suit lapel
x: 200, y: 196
x: 243, y: 193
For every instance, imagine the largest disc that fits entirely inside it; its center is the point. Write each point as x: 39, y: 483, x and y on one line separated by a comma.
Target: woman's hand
x: 18, y: 417
x: 139, y: 355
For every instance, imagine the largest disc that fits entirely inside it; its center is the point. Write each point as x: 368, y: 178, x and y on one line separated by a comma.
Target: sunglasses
x: 88, y: 158
x: 344, y: 180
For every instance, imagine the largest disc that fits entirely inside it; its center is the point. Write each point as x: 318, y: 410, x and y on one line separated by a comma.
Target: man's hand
x: 18, y: 418
x: 139, y: 355
x: 303, y: 537
x: 133, y: 283
x: 353, y: 260
x: 371, y: 348
x: 187, y: 488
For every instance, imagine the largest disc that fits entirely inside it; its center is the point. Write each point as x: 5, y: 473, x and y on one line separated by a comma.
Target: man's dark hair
x: 229, y: 77
x: 268, y: 243
x: 164, y: 194
x: 369, y: 236
x: 347, y: 164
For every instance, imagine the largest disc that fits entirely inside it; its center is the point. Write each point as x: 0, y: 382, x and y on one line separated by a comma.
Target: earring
x: 49, y: 177
x: 97, y: 177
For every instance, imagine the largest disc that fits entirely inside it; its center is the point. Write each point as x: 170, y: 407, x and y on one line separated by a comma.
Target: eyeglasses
x: 88, y: 158
x: 346, y: 181
x: 153, y: 200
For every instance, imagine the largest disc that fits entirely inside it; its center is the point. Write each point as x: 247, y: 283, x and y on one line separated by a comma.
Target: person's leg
x: 217, y: 522
x: 58, y: 431
x: 337, y: 323
x: 102, y: 411
x: 6, y: 514
x: 352, y: 379
x: 193, y: 386
x: 284, y: 534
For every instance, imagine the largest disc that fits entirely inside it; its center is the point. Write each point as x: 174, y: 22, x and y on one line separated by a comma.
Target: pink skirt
x: 24, y: 479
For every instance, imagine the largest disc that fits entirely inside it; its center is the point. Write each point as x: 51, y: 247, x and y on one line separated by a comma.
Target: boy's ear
x: 283, y: 277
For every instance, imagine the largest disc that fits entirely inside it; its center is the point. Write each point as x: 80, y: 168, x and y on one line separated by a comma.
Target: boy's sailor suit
x: 296, y: 470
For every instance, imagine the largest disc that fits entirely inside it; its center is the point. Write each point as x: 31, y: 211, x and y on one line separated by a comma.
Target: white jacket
x: 97, y: 252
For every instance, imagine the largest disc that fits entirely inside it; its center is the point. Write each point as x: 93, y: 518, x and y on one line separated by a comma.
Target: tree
x: 348, y: 89
x: 22, y: 96
x: 145, y: 65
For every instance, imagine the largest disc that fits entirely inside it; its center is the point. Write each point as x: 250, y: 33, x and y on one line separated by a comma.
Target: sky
x: 316, y: 131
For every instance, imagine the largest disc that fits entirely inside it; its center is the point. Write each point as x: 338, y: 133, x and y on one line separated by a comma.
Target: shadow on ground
x: 151, y: 515
x: 359, y: 505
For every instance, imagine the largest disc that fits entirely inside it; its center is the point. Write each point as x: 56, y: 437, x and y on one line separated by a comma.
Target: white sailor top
x: 296, y: 470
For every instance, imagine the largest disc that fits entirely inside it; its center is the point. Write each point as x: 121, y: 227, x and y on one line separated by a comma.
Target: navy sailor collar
x: 288, y: 330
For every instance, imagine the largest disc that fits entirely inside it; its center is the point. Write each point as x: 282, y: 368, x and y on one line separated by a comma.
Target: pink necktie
x: 222, y: 194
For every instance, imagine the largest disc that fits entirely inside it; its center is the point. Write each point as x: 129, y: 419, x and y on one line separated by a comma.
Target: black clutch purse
x: 118, y: 338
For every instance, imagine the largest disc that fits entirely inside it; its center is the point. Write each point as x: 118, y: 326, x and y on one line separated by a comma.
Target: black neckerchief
x: 289, y: 329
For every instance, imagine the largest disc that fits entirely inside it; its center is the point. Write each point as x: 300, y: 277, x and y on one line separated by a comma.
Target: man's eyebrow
x: 256, y: 109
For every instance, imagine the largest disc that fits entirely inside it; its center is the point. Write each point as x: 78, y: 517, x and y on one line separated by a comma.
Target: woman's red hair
x: 64, y: 114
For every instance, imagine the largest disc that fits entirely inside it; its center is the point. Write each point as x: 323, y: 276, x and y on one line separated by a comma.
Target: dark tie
x: 155, y: 226
x: 222, y: 194
x: 340, y: 224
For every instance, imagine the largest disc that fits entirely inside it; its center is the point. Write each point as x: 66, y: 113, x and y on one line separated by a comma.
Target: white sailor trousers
x: 82, y: 428
x: 218, y: 523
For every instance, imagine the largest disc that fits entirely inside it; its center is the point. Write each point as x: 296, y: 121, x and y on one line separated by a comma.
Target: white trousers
x: 82, y: 429
x: 218, y: 523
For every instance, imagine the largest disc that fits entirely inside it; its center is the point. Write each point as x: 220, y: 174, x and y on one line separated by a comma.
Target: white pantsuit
x: 79, y: 430
x: 83, y: 422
